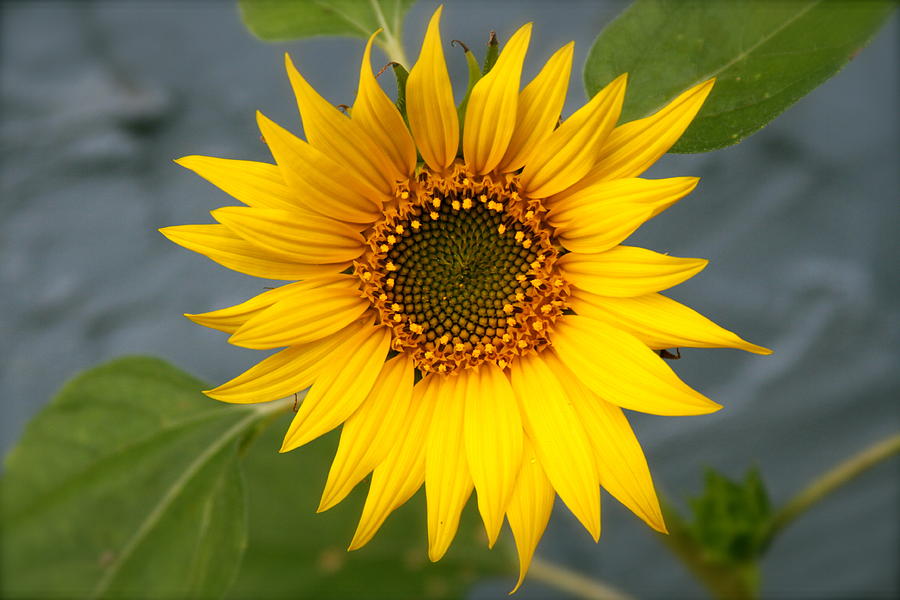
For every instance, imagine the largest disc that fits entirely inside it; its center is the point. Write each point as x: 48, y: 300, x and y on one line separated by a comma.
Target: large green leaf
x: 766, y: 55
x: 129, y: 484
x: 126, y: 485
x: 295, y: 553
x: 290, y: 19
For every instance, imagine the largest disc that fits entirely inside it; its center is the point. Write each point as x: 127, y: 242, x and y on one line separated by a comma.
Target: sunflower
x: 470, y: 319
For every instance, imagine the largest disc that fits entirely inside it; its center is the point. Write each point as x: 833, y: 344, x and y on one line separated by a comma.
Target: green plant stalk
x: 741, y: 581
x: 833, y: 479
x: 728, y: 582
x: 574, y: 583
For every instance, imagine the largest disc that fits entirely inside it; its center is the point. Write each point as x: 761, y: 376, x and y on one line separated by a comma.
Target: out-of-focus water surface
x: 799, y: 221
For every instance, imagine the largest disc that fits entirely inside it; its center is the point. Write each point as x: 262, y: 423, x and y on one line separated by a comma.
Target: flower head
x: 472, y: 322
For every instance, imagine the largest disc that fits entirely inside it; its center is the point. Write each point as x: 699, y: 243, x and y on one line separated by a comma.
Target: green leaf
x: 726, y: 538
x: 126, y: 485
x: 765, y: 55
x: 129, y: 484
x: 274, y: 20
x: 295, y: 553
x: 731, y: 519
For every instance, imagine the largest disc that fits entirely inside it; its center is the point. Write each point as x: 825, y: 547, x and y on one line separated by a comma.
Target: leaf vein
x: 168, y: 498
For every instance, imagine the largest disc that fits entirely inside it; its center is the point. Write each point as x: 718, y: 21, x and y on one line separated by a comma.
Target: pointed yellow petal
x: 529, y: 508
x: 319, y: 182
x: 660, y: 322
x: 340, y: 387
x: 369, y: 433
x: 335, y: 134
x: 540, y: 105
x: 626, y: 271
x: 491, y: 111
x: 429, y: 101
x: 601, y: 216
x: 620, y: 369
x: 596, y: 226
x: 632, y: 147
x: 559, y: 439
x: 493, y: 441
x: 620, y: 460
x: 231, y: 318
x: 284, y: 373
x: 379, y: 118
x: 304, y: 314
x: 220, y: 244
x: 569, y: 152
x: 306, y: 239
x: 396, y: 479
x: 448, y: 483
x: 253, y: 183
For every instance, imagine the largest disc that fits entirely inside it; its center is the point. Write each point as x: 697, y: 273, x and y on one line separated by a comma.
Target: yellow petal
x: 560, y: 441
x: 340, y: 387
x: 540, y: 105
x: 231, y: 318
x: 335, y: 134
x: 253, y: 183
x: 222, y: 245
x: 369, y: 433
x: 491, y: 111
x: 396, y: 479
x: 626, y: 271
x: 569, y: 152
x: 620, y: 460
x: 308, y: 312
x: 429, y: 102
x: 620, y: 369
x: 529, y: 508
x: 306, y: 239
x: 319, y: 182
x: 493, y: 441
x: 284, y: 373
x: 577, y: 215
x: 632, y: 147
x: 448, y: 482
x: 381, y: 120
x: 592, y: 228
x: 660, y: 322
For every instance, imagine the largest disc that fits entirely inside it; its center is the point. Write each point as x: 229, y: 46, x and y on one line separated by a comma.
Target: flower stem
x: 574, y: 583
x: 841, y: 474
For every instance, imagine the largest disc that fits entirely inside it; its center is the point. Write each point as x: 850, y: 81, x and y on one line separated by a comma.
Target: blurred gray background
x: 799, y: 221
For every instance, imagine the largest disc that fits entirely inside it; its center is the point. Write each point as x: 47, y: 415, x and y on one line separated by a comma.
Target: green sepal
x: 493, y: 51
x: 402, y: 75
x: 474, y: 76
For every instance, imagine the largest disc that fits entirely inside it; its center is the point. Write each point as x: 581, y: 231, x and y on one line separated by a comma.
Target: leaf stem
x: 394, y: 49
x: 574, y: 583
x: 266, y: 412
x: 391, y: 43
x: 836, y: 477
